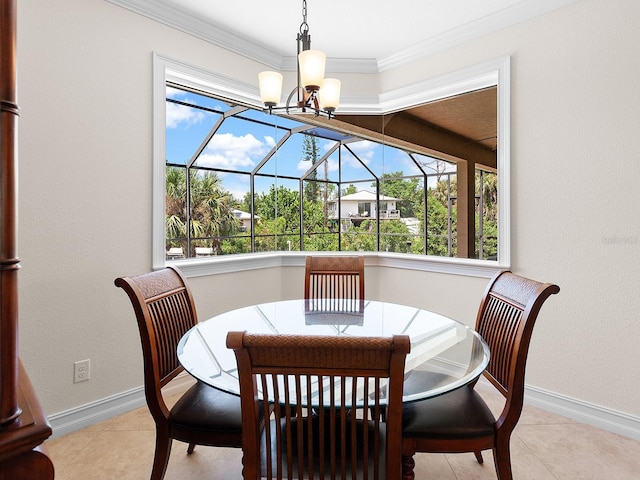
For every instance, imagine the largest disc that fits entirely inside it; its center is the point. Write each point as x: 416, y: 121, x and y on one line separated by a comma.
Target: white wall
x: 575, y: 195
x: 85, y: 193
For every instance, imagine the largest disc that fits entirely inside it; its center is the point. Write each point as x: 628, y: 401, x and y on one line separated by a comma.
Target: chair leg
x: 408, y: 464
x: 478, y: 455
x: 190, y: 448
x: 161, y: 457
x: 502, y: 459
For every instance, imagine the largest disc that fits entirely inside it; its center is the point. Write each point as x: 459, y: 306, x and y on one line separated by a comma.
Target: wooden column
x: 466, y: 209
x: 23, y: 424
x: 9, y: 262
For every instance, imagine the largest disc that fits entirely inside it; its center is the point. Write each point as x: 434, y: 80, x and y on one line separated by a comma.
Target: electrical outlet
x: 81, y: 371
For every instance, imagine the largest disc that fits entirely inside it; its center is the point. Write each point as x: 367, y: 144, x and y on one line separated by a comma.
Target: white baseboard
x: 581, y: 411
x: 584, y: 412
x: 91, y: 413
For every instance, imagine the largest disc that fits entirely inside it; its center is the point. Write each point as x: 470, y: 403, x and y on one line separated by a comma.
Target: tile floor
x: 544, y: 447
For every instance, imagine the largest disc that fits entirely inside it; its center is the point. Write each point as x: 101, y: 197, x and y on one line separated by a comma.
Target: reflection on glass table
x: 443, y: 350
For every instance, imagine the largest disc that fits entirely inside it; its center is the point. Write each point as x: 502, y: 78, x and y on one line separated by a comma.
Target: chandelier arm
x: 300, y: 103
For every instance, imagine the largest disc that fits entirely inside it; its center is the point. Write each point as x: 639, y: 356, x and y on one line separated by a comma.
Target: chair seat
x: 208, y: 409
x: 417, y: 381
x: 165, y: 311
x: 460, y: 421
x: 458, y: 414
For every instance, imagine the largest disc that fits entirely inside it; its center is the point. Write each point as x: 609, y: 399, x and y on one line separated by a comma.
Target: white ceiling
x: 356, y: 35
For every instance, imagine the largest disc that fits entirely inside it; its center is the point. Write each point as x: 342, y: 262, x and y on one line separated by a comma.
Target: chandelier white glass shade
x: 316, y: 93
x: 311, y: 63
x: 330, y: 94
x: 270, y: 88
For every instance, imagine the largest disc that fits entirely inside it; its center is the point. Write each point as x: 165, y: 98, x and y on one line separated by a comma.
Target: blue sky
x: 240, y: 145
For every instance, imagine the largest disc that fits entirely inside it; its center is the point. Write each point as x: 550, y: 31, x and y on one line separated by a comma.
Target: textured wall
x: 85, y: 193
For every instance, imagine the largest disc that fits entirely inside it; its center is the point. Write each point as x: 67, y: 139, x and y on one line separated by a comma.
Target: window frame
x: 491, y: 73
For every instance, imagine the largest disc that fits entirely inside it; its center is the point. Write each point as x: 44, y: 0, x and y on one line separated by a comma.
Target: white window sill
x: 196, y: 267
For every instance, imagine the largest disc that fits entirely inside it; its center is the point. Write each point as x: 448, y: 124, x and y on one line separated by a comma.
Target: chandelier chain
x: 304, y: 26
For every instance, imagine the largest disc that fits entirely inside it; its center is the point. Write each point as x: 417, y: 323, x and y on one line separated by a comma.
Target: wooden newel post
x: 9, y: 263
x: 23, y: 423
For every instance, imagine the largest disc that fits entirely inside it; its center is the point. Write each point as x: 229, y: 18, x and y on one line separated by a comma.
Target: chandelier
x: 314, y: 92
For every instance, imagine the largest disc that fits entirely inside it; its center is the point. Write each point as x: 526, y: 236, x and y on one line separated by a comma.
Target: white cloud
x: 180, y: 114
x: 269, y: 141
x: 175, y: 93
x: 303, y: 165
x: 234, y: 153
x: 365, y: 150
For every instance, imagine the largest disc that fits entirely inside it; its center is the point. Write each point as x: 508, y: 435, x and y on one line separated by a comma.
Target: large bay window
x: 232, y: 180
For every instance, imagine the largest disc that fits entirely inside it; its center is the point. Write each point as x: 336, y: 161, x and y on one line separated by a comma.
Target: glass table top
x: 445, y: 354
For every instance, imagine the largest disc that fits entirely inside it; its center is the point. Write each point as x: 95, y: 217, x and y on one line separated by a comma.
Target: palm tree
x: 175, y: 205
x: 210, y: 215
x: 212, y: 207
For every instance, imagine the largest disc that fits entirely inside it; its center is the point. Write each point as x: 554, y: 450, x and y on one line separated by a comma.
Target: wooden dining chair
x: 316, y: 431
x: 460, y: 421
x: 337, y: 282
x: 165, y: 310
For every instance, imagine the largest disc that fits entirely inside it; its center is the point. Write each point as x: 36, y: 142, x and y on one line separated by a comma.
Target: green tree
x: 270, y: 234
x: 408, y: 190
x: 211, y: 208
x: 349, y: 190
x: 175, y: 201
x: 313, y: 217
x: 395, y: 236
x: 279, y: 203
x: 310, y: 152
x: 437, y: 222
x: 487, y: 188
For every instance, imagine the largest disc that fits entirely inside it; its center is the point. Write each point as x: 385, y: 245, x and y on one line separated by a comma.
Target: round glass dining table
x: 445, y: 354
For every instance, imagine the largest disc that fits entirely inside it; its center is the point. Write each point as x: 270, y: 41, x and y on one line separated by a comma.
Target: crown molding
x: 179, y: 20
x: 338, y: 65
x: 246, y: 47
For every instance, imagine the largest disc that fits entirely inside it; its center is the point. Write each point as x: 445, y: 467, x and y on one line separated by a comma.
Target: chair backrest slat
x: 165, y: 310
x: 505, y: 320
x: 499, y: 327
x: 170, y: 318
x: 326, y: 392
x: 334, y: 277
